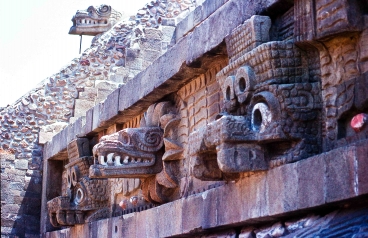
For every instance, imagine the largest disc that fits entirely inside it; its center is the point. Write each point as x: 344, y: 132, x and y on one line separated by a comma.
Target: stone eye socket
x: 257, y: 119
x: 242, y: 84
x: 228, y: 93
x: 261, y: 117
x: 79, y: 196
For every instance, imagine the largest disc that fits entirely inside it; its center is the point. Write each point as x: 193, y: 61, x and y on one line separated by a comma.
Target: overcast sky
x: 34, y: 40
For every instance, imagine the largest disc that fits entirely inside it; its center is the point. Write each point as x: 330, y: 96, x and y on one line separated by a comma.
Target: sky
x: 34, y: 40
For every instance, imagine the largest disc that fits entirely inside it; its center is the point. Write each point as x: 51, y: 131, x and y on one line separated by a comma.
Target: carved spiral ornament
x: 149, y: 141
x: 104, y: 10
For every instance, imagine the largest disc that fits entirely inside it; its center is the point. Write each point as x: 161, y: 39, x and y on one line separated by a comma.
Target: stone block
x: 150, y: 226
x: 362, y: 168
x: 161, y: 69
x: 311, y: 185
x: 150, y: 55
x: 211, y: 202
x: 276, y: 190
x: 282, y: 189
x: 132, y: 54
x: 168, y: 33
x: 96, y: 118
x: 57, y: 144
x: 44, y: 137
x: 339, y: 177
x: 108, y: 109
x: 87, y: 122
x: 34, y: 163
x: 102, y: 94
x: 169, y: 22
x: 128, y: 229
x: 152, y: 33
x: 82, y: 105
x: 192, y: 213
x: 195, y: 17
x: 141, y: 230
x: 11, y: 208
x: 8, y: 221
x: 149, y: 44
x: 116, y: 225
x: 5, y: 164
x: 229, y: 212
x: 76, y: 231
x: 79, y: 126
x: 136, y: 64
x: 78, y: 147
x: 231, y: 15
x: 100, y: 228
x: 21, y: 164
x: 174, y: 210
x: 254, y: 192
x: 6, y: 156
x: 89, y: 94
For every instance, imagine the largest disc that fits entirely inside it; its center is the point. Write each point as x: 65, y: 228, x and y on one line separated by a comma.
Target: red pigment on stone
x: 358, y: 121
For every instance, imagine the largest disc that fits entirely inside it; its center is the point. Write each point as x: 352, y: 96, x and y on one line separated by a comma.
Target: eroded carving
x: 145, y: 152
x: 83, y: 199
x: 94, y: 20
x: 271, y: 113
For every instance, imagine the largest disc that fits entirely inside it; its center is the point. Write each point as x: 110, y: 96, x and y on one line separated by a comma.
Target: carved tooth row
x: 115, y: 160
x: 90, y: 22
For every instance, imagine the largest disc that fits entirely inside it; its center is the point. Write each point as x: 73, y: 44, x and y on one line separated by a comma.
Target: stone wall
x: 295, y: 200
x: 267, y: 113
x: 257, y: 132
x: 113, y: 59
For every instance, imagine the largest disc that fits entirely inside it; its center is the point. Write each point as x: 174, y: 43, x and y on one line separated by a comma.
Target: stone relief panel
x: 280, y: 98
x: 199, y: 103
x: 83, y: 199
x: 338, y: 30
x: 146, y: 152
x: 271, y: 111
x: 94, y: 20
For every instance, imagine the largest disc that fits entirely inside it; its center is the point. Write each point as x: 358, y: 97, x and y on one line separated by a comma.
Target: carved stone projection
x: 94, y: 20
x: 84, y: 199
x: 146, y: 152
x: 338, y: 29
x: 271, y: 111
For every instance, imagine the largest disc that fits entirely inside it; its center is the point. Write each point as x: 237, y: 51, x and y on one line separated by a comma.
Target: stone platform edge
x: 329, y: 178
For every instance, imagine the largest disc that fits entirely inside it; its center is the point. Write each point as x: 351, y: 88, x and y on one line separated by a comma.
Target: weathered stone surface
x: 296, y: 105
x: 82, y: 105
x: 209, y: 209
x: 107, y: 110
x: 21, y: 164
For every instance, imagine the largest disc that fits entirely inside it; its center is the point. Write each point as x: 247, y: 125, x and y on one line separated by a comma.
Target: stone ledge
x: 195, y: 17
x: 334, y: 176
